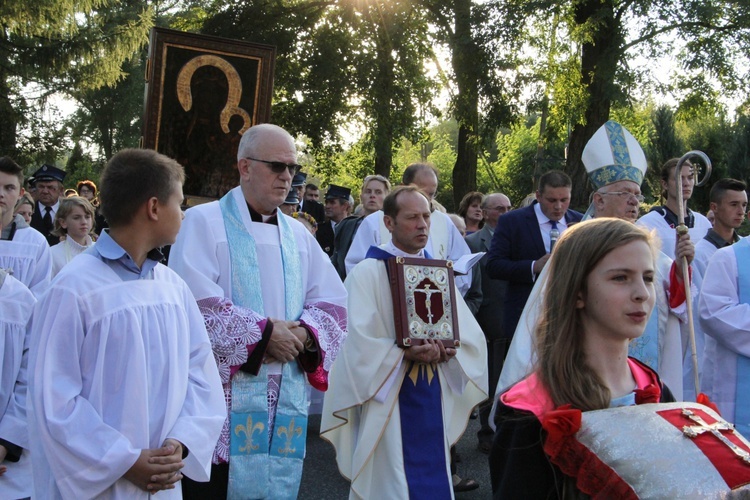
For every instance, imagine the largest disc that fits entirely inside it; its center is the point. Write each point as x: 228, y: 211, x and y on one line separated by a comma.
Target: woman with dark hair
x: 87, y: 189
x: 470, y: 209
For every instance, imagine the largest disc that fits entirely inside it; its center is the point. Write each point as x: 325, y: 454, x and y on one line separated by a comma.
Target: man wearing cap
x: 49, y: 188
x: 275, y: 312
x: 23, y: 250
x: 309, y: 206
x: 337, y: 208
x: 616, y: 165
x: 291, y: 203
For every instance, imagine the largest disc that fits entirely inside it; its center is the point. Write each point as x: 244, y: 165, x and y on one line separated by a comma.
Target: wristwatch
x: 309, y: 342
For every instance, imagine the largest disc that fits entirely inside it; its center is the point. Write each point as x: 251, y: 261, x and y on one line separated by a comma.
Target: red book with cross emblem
x: 424, y: 301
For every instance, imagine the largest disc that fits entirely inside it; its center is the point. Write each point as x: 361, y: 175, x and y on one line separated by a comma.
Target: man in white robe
x: 618, y: 176
x: 663, y: 219
x: 22, y: 248
x: 445, y: 242
x: 16, y: 304
x: 125, y: 396
x: 362, y: 414
x: 725, y: 315
x: 728, y: 201
x: 275, y: 313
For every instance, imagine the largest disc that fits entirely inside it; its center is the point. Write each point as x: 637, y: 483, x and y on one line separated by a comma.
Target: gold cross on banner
x: 715, y: 429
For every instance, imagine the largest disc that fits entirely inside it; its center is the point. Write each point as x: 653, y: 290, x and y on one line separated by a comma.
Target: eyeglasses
x: 499, y: 208
x: 638, y: 197
x: 278, y: 167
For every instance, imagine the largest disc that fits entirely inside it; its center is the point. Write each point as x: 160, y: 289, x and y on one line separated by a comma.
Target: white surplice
x: 444, y: 242
x: 668, y: 235
x: 726, y: 324
x: 361, y: 411
x: 28, y: 255
x: 201, y: 257
x: 116, y: 367
x: 16, y: 304
x: 63, y: 252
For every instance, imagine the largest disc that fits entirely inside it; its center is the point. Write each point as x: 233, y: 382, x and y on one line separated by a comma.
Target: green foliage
x: 63, y: 42
x: 80, y: 167
x: 515, y: 168
x: 63, y: 45
x: 110, y: 117
x: 738, y: 154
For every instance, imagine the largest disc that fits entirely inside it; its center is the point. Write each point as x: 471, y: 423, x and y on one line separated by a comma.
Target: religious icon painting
x: 424, y: 301
x: 202, y: 93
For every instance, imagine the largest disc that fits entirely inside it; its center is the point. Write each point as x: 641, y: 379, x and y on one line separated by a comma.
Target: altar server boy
x: 125, y: 396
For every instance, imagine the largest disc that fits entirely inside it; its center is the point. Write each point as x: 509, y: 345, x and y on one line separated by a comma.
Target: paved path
x: 322, y: 481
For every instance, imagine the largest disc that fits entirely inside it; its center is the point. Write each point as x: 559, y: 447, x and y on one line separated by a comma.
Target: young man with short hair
x: 22, y: 248
x: 125, y: 395
x: 664, y: 218
x: 523, y: 241
x: 728, y: 200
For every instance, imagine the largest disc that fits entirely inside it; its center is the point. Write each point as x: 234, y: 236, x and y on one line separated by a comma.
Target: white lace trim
x: 330, y: 322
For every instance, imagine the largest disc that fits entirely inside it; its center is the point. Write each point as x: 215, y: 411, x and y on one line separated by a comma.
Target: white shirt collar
x: 391, y: 249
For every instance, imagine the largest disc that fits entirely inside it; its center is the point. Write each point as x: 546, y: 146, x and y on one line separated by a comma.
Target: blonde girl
x: 74, y: 224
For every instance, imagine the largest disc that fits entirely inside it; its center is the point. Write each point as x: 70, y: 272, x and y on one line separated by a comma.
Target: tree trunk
x: 9, y: 120
x: 599, y: 59
x: 382, y: 134
x: 465, y: 66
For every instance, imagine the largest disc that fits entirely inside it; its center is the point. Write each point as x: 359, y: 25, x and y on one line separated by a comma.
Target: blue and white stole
x: 646, y: 347
x: 742, y: 388
x: 255, y: 457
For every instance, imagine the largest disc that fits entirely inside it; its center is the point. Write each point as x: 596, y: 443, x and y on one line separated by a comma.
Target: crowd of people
x: 128, y: 370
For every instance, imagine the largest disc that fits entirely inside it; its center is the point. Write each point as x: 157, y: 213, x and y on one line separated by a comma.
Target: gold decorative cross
x: 715, y: 429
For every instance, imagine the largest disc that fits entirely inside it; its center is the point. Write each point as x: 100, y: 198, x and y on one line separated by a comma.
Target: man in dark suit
x: 337, y: 208
x: 48, y: 181
x: 308, y: 205
x: 523, y: 240
x: 490, y: 313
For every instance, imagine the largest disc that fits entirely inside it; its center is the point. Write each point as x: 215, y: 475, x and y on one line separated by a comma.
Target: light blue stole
x: 646, y: 347
x: 257, y: 459
x: 742, y: 389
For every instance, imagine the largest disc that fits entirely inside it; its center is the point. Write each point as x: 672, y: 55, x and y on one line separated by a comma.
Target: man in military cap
x: 48, y: 181
x: 312, y: 207
x: 338, y: 206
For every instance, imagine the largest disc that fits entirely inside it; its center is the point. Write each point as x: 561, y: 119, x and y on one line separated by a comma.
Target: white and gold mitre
x: 613, y: 154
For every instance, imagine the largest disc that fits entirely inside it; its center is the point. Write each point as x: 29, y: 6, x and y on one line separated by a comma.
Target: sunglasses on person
x: 278, y: 167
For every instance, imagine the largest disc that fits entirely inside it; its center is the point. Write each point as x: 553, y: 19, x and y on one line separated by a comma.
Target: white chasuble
x: 361, y: 411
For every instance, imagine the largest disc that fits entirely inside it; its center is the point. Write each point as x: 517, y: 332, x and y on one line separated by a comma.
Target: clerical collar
x: 258, y: 217
x: 393, y: 250
x: 719, y: 242
x: 671, y: 217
